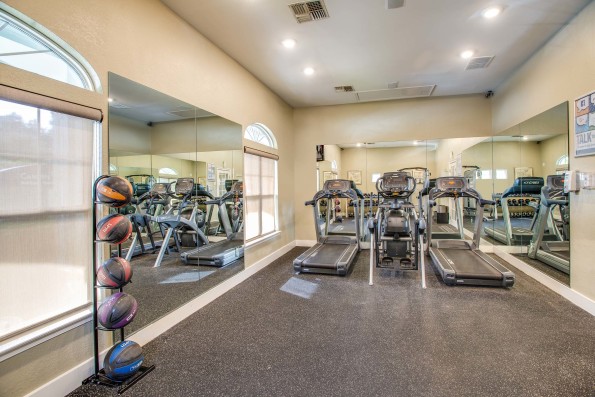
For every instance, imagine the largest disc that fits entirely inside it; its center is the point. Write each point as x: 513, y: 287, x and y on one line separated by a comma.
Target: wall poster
x: 210, y: 172
x: 584, y: 125
x: 355, y: 176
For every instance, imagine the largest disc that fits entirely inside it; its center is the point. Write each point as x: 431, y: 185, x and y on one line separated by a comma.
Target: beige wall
x: 551, y: 150
x: 146, y: 42
x: 463, y: 116
x: 129, y: 136
x: 563, y: 70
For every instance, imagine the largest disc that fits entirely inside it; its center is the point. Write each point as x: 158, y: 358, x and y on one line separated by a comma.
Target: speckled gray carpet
x: 278, y: 334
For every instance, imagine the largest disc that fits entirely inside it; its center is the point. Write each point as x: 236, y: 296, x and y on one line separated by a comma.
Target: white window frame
x: 51, y: 44
x: 262, y: 135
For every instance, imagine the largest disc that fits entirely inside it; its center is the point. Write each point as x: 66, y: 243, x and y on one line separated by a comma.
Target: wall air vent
x: 344, y: 88
x: 396, y: 93
x: 479, y: 63
x: 309, y: 11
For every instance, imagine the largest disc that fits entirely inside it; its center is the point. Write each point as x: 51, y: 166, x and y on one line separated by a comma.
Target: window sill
x: 260, y: 239
x: 28, y: 339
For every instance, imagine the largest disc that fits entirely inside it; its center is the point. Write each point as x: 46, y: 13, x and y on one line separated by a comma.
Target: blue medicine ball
x: 123, y: 360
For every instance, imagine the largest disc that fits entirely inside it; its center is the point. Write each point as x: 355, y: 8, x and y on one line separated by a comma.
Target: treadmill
x: 446, y: 230
x: 332, y: 254
x: 223, y: 252
x: 523, y: 192
x: 553, y: 253
x: 460, y: 262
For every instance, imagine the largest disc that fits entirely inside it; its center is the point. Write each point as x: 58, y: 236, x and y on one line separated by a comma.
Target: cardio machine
x: 396, y: 226
x: 553, y: 253
x: 229, y: 250
x: 446, y: 230
x: 181, y: 226
x: 332, y: 254
x: 460, y: 262
x: 517, y: 201
x: 148, y: 207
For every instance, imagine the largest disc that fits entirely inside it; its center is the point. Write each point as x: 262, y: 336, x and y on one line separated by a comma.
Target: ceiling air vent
x: 479, y: 63
x: 184, y: 113
x: 118, y: 105
x: 397, y: 93
x: 309, y: 11
x: 344, y: 88
x: 390, y: 4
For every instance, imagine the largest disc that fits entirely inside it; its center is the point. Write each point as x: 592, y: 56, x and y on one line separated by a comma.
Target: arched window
x: 562, y: 161
x: 260, y: 134
x: 260, y: 184
x: 25, y: 48
x: 167, y: 171
x: 45, y: 141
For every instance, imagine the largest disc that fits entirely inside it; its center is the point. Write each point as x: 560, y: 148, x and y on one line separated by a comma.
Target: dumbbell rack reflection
x: 99, y: 377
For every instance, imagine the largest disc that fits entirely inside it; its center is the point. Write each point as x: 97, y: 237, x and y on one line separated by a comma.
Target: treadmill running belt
x: 327, y: 256
x: 469, y: 265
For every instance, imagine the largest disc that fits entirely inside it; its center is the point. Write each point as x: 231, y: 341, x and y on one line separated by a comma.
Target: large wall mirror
x: 532, y: 218
x: 186, y: 168
x: 364, y: 163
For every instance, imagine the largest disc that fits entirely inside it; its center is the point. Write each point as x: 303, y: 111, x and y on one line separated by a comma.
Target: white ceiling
x: 368, y: 46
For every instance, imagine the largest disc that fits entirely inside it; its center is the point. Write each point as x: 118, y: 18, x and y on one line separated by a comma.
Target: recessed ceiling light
x: 110, y: 99
x: 288, y: 43
x: 491, y: 12
x: 359, y: 144
x: 308, y: 71
x: 525, y: 138
x: 466, y: 54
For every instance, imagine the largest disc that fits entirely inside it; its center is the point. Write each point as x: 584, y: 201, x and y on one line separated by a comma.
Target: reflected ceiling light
x: 491, y: 12
x: 288, y: 43
x: 308, y: 71
x: 110, y: 99
x: 525, y: 138
x: 359, y: 144
x: 466, y: 54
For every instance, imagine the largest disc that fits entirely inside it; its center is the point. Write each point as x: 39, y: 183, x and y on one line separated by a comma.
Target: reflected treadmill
x: 446, y: 230
x: 460, y: 262
x: 525, y: 190
x: 332, y: 254
x: 223, y: 252
x: 553, y: 253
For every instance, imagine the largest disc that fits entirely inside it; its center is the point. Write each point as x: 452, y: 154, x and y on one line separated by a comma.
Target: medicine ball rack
x: 99, y: 377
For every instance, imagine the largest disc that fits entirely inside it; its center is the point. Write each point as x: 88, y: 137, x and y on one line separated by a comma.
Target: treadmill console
x: 555, y: 182
x: 237, y: 187
x: 451, y: 184
x: 159, y: 188
x: 337, y: 185
x: 396, y: 181
x: 184, y: 186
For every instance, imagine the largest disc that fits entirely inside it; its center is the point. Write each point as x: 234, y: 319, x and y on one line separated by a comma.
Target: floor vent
x: 344, y: 88
x: 397, y: 93
x: 479, y: 63
x: 309, y: 11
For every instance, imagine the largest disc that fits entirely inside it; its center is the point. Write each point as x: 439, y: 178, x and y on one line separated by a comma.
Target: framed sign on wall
x: 584, y: 125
